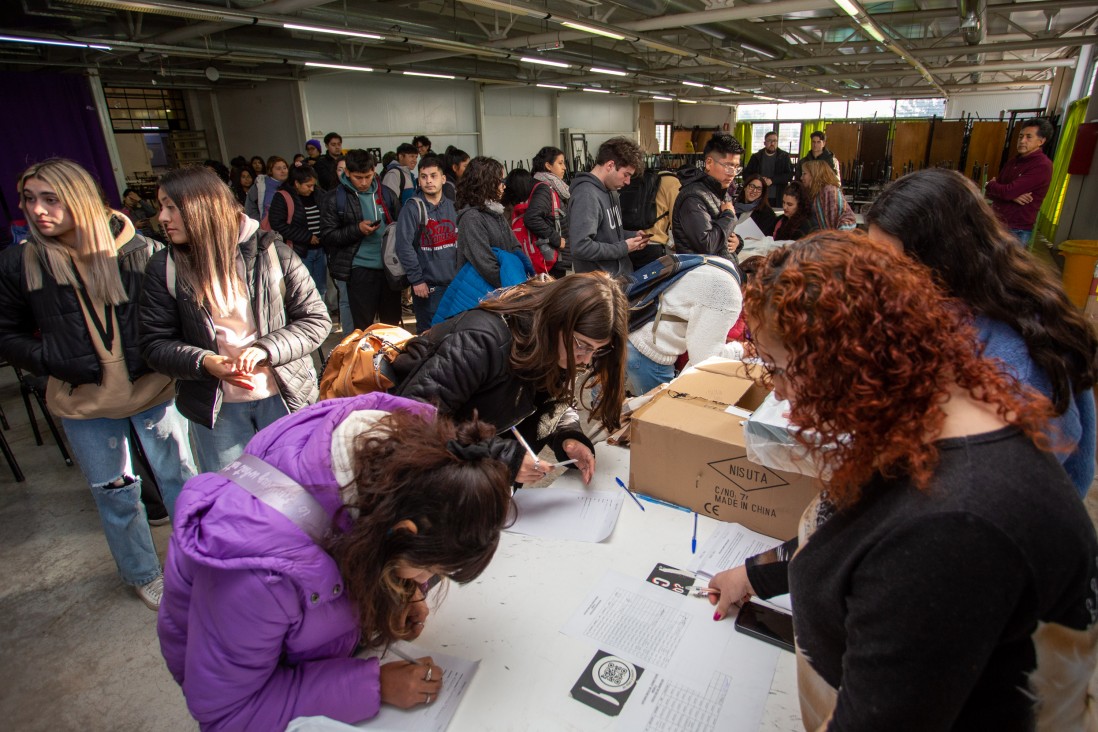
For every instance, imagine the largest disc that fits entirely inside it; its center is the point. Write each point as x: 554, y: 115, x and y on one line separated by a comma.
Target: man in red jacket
x: 1017, y: 192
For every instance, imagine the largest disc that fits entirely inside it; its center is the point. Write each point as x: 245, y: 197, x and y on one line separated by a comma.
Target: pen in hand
x: 704, y: 592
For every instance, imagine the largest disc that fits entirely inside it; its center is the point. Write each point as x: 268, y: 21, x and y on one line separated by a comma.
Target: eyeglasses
x: 731, y: 167
x: 586, y: 349
x: 753, y: 187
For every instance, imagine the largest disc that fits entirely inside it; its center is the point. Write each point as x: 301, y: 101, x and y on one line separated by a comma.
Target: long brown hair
x: 441, y: 477
x: 874, y: 346
x: 542, y: 314
x: 823, y: 175
x: 480, y: 184
x: 211, y: 217
x: 95, y: 245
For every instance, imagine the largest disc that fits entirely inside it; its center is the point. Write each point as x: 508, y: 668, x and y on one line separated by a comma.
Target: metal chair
x: 35, y: 386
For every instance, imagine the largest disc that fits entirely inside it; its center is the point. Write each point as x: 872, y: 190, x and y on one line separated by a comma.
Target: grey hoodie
x: 595, y: 233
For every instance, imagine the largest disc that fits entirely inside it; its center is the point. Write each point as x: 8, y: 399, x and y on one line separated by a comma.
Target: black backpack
x: 638, y: 200
x: 650, y: 282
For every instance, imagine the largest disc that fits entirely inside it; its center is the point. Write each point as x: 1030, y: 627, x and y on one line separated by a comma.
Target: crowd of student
x: 939, y: 376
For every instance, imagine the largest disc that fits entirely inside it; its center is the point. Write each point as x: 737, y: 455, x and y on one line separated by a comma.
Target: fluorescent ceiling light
x: 333, y: 31
x: 694, y: 83
x: 612, y: 72
x: 592, y: 29
x: 687, y: 101
x: 848, y: 7
x: 666, y: 48
x: 149, y: 127
x: 47, y: 42
x: 545, y: 62
x: 756, y: 49
x: 664, y: 99
x: 722, y: 89
x: 872, y: 31
x: 821, y: 91
x: 596, y: 91
x: 552, y: 86
x: 433, y: 76
x: 342, y: 67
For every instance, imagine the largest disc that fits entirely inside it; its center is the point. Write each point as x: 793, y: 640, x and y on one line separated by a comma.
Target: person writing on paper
x: 949, y: 558
x: 260, y: 620
x: 513, y: 361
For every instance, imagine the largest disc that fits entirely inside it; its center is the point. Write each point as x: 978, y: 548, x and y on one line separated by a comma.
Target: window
x: 833, y: 110
x: 663, y: 136
x: 789, y: 137
x: 136, y: 110
x: 880, y: 108
x: 799, y: 110
x: 747, y: 112
x: 920, y: 107
x: 759, y: 132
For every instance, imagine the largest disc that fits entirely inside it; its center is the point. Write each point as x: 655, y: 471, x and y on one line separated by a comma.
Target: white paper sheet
x: 575, y: 514
x: 729, y: 546
x: 699, y: 674
x: 457, y: 673
x: 748, y: 229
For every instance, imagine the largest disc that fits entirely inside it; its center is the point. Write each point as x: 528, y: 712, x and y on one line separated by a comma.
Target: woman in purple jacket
x: 260, y: 622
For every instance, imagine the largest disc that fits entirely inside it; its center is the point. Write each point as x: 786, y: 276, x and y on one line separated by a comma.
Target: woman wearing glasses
x: 752, y: 199
x: 513, y: 362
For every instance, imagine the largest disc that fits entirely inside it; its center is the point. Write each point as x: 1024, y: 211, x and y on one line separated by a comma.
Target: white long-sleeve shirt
x: 696, y: 314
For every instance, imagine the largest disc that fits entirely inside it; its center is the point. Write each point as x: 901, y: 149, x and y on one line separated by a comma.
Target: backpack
x: 394, y: 270
x: 362, y: 362
x: 526, y: 239
x: 638, y: 200
x: 261, y: 195
x: 265, y: 224
x: 650, y: 282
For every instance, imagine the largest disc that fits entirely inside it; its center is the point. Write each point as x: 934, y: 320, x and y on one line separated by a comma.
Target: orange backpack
x: 361, y: 362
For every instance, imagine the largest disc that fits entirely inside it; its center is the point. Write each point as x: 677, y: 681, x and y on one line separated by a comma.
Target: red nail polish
x: 717, y: 615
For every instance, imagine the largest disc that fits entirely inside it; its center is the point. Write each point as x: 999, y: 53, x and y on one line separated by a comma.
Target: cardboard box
x: 687, y: 447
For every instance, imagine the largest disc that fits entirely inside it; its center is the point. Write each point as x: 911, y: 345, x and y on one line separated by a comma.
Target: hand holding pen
x: 727, y: 588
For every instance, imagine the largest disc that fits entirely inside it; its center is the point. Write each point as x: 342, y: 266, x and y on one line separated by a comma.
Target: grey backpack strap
x: 282, y: 493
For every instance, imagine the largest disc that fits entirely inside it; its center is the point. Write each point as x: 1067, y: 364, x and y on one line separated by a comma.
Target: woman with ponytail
x: 262, y: 617
x: 76, y: 280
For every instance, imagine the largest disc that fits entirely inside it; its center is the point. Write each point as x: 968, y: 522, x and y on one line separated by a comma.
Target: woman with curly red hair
x: 946, y: 577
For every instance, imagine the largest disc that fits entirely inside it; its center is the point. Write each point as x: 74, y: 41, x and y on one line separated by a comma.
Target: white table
x: 511, y: 616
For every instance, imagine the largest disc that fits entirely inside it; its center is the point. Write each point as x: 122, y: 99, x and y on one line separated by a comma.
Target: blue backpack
x: 468, y: 288
x: 650, y: 282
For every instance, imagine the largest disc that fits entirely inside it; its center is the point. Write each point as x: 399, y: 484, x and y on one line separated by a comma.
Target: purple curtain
x: 51, y: 115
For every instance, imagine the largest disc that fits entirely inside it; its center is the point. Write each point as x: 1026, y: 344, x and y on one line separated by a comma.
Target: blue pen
x: 658, y: 502
x: 623, y: 487
x: 694, y: 541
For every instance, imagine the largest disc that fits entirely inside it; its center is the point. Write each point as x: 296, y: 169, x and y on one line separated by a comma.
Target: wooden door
x: 842, y: 141
x: 873, y: 150
x: 946, y: 144
x: 909, y: 147
x: 985, y: 145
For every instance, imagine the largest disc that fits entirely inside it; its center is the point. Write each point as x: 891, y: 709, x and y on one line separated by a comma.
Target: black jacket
x: 65, y: 350
x: 177, y: 332
x: 539, y: 222
x: 463, y: 366
x: 780, y: 178
x: 339, y: 232
x: 295, y: 232
x: 697, y: 221
x: 827, y: 156
x: 326, y: 176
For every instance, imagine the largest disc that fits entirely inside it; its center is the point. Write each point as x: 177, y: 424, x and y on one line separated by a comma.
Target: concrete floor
x: 79, y: 651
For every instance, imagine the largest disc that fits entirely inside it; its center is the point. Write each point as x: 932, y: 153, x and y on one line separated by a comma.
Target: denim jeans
x: 317, y: 264
x: 642, y: 374
x: 102, y: 450
x: 1022, y: 235
x: 346, y: 322
x: 425, y: 307
x: 236, y: 424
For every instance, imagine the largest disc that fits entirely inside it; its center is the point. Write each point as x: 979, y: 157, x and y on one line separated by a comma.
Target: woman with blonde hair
x: 77, y: 280
x: 231, y: 312
x: 828, y: 206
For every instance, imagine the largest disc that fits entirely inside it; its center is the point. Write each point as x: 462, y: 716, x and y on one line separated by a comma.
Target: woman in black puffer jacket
x: 232, y: 313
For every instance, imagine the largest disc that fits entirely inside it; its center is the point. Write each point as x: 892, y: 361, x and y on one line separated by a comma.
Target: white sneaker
x: 151, y: 592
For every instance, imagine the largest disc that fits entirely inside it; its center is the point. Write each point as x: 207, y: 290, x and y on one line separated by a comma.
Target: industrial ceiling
x: 725, y: 51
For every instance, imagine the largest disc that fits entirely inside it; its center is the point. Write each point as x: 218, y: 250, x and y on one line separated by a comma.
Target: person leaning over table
x: 514, y: 361
x: 261, y: 621
x: 946, y: 578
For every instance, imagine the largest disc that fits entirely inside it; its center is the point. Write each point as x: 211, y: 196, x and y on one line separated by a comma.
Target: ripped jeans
x: 102, y: 450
